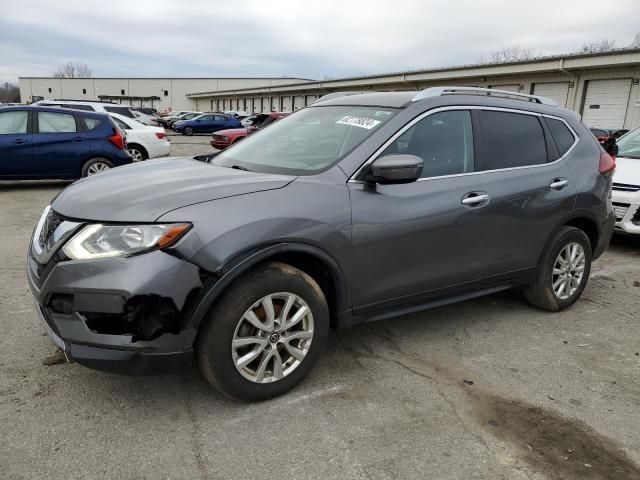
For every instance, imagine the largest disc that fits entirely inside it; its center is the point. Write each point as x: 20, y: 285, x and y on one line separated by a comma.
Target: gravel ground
x: 485, y: 389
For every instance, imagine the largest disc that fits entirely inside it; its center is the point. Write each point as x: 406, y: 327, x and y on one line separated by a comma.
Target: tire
x: 188, y: 131
x: 95, y: 165
x: 541, y: 292
x: 138, y: 153
x: 227, y: 321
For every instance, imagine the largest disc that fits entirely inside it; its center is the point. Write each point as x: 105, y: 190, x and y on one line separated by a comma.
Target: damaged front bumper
x: 122, y: 315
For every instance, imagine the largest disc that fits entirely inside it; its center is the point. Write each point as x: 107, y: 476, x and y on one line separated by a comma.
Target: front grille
x: 625, y: 187
x: 51, y: 223
x: 620, y: 209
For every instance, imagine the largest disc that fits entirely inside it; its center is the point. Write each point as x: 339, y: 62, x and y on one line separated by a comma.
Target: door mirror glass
x: 396, y: 168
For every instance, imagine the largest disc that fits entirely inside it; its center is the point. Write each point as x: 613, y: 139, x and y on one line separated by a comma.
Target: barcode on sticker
x: 362, y: 122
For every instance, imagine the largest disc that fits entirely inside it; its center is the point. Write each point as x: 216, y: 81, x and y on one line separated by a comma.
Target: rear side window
x: 562, y: 136
x: 56, y: 123
x: 511, y: 140
x: 121, y: 125
x: 121, y: 110
x: 13, y: 123
x: 91, y: 123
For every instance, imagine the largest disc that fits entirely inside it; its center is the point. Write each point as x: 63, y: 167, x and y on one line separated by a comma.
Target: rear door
x: 59, y: 144
x: 16, y: 148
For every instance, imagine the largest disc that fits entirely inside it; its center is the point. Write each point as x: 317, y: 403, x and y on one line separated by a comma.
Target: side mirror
x: 396, y: 168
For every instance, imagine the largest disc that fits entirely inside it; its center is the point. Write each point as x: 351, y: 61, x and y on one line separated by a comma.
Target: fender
x: 238, y: 267
x: 574, y: 214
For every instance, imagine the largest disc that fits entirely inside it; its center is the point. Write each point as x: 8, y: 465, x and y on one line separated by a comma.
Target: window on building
x: 49, y: 89
x: 56, y: 123
x: 166, y: 93
x: 511, y: 140
x: 121, y: 92
x: 84, y: 91
x: 443, y: 140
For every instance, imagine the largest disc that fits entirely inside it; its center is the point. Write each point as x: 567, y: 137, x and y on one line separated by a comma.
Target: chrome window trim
x: 376, y: 154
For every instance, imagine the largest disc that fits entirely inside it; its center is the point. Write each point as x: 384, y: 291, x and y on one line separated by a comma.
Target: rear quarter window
x: 511, y: 140
x: 561, y: 135
x: 91, y: 123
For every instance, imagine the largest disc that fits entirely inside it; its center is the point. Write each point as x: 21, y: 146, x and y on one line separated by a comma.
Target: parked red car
x: 224, y: 138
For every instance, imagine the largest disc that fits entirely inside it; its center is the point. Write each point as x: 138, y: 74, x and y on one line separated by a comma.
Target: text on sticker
x: 362, y: 122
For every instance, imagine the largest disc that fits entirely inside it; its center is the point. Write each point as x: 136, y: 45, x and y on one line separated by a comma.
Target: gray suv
x: 357, y: 208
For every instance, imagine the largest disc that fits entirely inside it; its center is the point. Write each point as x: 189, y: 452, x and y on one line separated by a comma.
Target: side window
x: 562, y: 136
x: 443, y: 140
x: 219, y: 118
x: 91, y: 123
x: 87, y: 108
x: 13, y: 123
x: 121, y: 125
x: 511, y: 140
x: 56, y: 123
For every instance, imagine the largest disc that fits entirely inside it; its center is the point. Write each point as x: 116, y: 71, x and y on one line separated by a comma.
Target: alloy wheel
x: 272, y: 338
x: 568, y: 270
x: 136, y: 154
x: 97, y: 167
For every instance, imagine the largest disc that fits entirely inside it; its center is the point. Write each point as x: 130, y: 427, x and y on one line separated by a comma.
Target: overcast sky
x: 296, y: 38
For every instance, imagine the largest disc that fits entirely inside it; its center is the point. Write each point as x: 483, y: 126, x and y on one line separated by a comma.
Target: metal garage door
x: 298, y: 102
x: 311, y: 98
x: 509, y: 88
x: 275, y: 104
x: 606, y: 102
x: 286, y: 104
x: 265, y: 106
x: 556, y: 91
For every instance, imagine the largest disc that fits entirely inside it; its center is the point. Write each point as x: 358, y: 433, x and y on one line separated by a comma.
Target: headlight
x: 99, y: 241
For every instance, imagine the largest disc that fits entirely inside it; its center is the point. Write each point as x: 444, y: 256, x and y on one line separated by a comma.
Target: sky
x: 305, y: 38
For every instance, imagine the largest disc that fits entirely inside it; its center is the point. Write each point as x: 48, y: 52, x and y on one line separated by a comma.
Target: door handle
x: 559, y: 183
x: 20, y: 141
x: 475, y: 198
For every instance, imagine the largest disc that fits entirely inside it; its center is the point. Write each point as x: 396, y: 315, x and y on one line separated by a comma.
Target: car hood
x: 232, y: 131
x: 627, y: 171
x: 142, y: 192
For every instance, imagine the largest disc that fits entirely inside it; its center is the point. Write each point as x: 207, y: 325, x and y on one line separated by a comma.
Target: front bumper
x: 97, y: 297
x: 627, y: 208
x: 220, y: 145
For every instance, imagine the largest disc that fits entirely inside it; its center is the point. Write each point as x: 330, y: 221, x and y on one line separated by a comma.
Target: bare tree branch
x: 603, y: 45
x: 509, y: 54
x: 636, y: 41
x: 9, y: 93
x: 73, y: 70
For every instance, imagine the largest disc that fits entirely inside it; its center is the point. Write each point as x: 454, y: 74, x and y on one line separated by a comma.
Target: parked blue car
x: 42, y: 142
x: 206, y: 123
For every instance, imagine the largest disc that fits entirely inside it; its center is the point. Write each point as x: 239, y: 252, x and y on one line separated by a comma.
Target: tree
x: 509, y: 54
x: 603, y: 45
x: 9, y: 93
x: 636, y: 41
x: 73, y: 70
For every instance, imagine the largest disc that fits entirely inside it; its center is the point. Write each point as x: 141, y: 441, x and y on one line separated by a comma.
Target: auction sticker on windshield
x: 362, y: 122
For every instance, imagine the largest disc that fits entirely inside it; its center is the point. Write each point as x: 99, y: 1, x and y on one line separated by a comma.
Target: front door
x: 16, y: 148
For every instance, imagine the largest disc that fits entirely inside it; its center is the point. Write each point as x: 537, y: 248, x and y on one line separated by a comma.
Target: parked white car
x: 626, y: 183
x: 145, y: 119
x: 143, y: 141
x: 246, y: 122
x: 89, y: 106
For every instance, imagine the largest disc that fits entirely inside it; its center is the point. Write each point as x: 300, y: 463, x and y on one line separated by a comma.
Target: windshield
x: 629, y: 144
x: 306, y: 142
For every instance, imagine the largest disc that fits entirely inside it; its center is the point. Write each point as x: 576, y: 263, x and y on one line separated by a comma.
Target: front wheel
x: 563, y: 271
x: 264, y: 334
x: 188, y: 131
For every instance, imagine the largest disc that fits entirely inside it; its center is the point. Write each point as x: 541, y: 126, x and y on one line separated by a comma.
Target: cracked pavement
x: 489, y: 388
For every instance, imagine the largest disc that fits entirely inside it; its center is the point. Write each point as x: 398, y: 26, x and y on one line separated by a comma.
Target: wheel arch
x: 582, y: 220
x: 314, y: 261
x: 140, y: 146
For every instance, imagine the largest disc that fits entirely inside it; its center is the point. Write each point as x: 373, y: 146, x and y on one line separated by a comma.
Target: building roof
x: 564, y: 62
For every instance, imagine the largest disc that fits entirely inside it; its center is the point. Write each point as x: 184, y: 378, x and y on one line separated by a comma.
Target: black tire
x: 188, y: 131
x: 142, y: 153
x: 540, y: 293
x: 92, y: 162
x: 213, y: 345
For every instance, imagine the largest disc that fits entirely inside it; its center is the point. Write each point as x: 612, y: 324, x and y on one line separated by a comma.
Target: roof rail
x: 490, y: 92
x: 78, y: 100
x: 331, y: 96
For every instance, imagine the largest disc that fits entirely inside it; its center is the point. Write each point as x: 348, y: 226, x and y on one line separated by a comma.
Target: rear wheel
x: 188, y: 131
x: 94, y: 166
x: 264, y: 334
x: 563, y: 271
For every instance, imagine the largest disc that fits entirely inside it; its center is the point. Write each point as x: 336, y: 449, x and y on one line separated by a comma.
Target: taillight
x: 117, y: 139
x: 607, y: 163
x: 161, y: 135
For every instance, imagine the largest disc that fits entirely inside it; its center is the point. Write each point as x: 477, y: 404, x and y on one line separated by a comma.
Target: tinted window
x: 56, y: 122
x: 87, y: 108
x: 562, y: 136
x: 91, y: 123
x: 121, y: 110
x: 220, y: 118
x: 443, y: 140
x: 13, y: 123
x: 511, y: 140
x: 121, y: 124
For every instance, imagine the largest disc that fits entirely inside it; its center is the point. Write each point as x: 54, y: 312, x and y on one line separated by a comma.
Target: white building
x: 161, y: 93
